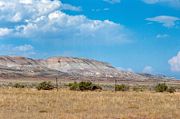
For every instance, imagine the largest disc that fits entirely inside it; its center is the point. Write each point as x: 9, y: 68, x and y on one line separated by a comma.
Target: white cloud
x: 130, y: 70
x: 99, y: 10
x: 26, y: 1
x: 173, y: 3
x: 112, y: 1
x: 70, y: 7
x: 58, y: 25
x: 162, y: 36
x: 21, y: 10
x: 17, y: 17
x: 125, y: 69
x: 175, y: 63
x: 22, y: 50
x: 151, y: 1
x: 147, y: 69
x: 44, y: 20
x: 166, y: 21
x: 4, y: 32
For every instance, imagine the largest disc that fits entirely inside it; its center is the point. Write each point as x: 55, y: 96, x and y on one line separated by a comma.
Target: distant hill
x: 67, y: 67
x: 159, y: 76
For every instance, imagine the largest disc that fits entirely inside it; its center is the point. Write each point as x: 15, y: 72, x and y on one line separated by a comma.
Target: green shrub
x: 18, y: 85
x: 45, y: 86
x: 121, y: 87
x: 162, y: 87
x: 82, y: 86
x: 171, y: 90
x: 74, y: 86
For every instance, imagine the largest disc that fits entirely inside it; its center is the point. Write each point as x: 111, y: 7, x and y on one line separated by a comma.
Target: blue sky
x: 133, y: 35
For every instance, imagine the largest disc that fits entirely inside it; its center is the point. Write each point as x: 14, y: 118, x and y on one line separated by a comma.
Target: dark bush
x: 82, y: 86
x: 45, y: 86
x: 171, y: 90
x: 85, y: 86
x: 162, y: 87
x: 96, y: 87
x: 121, y: 87
x: 18, y: 85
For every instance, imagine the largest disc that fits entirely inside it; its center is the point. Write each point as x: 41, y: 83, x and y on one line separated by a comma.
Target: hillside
x: 68, y: 67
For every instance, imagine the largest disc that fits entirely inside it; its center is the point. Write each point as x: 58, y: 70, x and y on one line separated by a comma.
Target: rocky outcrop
x: 12, y: 67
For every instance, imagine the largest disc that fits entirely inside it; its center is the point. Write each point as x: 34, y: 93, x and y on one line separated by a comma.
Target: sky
x: 132, y: 35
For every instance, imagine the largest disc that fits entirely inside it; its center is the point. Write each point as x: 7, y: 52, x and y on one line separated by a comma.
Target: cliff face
x: 59, y: 66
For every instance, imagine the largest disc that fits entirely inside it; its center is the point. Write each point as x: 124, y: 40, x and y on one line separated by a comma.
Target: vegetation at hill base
x: 82, y: 86
x: 45, y: 86
x: 162, y: 87
x: 18, y: 85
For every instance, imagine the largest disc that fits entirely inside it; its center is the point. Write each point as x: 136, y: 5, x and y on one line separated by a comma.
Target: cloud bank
x: 45, y: 21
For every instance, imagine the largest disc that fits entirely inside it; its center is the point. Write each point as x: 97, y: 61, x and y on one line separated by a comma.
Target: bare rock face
x: 60, y: 66
x: 83, y: 67
x: 15, y: 67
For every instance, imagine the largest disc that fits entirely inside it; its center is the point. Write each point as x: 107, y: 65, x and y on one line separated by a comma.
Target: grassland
x: 66, y: 104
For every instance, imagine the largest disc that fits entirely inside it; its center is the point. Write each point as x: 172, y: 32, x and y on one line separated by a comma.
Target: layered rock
x: 61, y: 66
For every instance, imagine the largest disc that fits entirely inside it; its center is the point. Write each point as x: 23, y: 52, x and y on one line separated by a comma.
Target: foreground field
x: 65, y: 104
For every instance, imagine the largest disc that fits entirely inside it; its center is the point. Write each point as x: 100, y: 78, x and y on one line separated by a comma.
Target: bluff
x: 61, y: 67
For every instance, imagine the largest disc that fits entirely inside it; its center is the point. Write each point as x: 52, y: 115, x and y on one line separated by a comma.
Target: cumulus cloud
x: 173, y: 3
x: 147, y: 69
x: 22, y: 10
x: 175, y: 63
x: 4, y: 32
x: 112, y: 1
x: 23, y: 50
x: 45, y: 20
x: 166, y: 21
x: 60, y: 25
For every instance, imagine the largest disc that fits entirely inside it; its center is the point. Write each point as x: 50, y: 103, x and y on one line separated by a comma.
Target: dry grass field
x: 66, y: 104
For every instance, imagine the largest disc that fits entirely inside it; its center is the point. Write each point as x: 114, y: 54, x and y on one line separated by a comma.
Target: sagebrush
x: 82, y: 86
x: 45, y: 86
